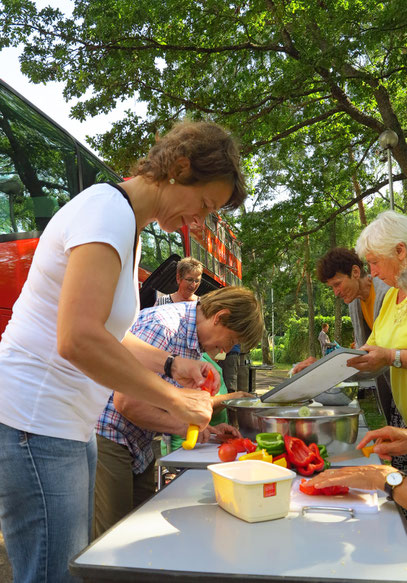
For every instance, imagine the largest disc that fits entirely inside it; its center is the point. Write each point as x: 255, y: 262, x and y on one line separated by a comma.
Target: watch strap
x: 397, y: 359
x: 168, y: 366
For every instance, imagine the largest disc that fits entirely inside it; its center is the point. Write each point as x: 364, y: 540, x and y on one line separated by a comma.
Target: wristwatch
x: 392, y: 480
x: 397, y: 359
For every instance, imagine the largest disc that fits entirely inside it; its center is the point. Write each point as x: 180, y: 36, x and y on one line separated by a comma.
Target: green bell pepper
x: 273, y: 443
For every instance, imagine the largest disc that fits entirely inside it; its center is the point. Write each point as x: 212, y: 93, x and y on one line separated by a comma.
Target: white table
x: 181, y: 533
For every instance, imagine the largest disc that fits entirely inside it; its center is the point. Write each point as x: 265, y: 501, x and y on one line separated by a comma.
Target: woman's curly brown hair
x: 212, y: 152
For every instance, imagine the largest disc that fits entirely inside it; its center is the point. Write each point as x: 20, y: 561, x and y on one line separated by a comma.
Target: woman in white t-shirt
x: 61, y: 355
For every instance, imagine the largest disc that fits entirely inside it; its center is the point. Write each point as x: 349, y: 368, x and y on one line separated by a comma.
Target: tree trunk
x: 265, y: 348
x: 310, y: 296
x: 358, y: 191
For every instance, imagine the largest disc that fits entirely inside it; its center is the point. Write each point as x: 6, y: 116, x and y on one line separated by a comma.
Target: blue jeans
x: 46, y: 502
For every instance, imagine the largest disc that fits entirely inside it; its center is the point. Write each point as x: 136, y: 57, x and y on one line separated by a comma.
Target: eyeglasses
x: 192, y: 280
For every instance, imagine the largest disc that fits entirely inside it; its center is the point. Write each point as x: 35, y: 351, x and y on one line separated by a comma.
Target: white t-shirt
x: 40, y: 392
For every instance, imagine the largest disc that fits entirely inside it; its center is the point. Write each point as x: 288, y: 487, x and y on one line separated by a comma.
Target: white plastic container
x: 252, y: 490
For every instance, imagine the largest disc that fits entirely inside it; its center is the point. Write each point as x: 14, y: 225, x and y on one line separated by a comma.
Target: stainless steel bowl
x: 335, y: 427
x: 242, y: 413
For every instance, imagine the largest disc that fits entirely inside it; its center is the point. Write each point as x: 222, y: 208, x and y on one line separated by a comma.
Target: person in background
x: 61, y: 354
x: 390, y: 442
x: 126, y: 427
x: 230, y: 367
x: 220, y: 414
x: 324, y: 339
x: 343, y: 271
x: 189, y: 275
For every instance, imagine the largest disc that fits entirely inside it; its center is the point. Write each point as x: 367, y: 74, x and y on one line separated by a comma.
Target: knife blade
x: 352, y: 454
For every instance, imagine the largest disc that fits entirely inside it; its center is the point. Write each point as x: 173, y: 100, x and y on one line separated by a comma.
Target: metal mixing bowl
x: 242, y: 413
x: 335, y: 427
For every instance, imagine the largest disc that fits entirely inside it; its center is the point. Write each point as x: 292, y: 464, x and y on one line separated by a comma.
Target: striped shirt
x: 171, y: 327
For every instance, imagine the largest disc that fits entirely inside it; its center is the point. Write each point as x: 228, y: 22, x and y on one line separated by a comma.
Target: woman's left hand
x: 375, y: 359
x: 192, y: 373
x: 224, y: 429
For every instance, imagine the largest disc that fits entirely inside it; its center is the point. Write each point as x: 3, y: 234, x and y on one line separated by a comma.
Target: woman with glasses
x: 189, y: 275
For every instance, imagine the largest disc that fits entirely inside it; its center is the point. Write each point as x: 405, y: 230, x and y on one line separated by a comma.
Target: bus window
x: 195, y: 249
x: 38, y: 167
x: 93, y: 170
x: 157, y: 246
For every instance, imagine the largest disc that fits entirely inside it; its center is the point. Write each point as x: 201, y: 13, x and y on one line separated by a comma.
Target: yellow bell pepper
x: 192, y: 437
x: 254, y: 455
x: 261, y: 455
x: 281, y: 462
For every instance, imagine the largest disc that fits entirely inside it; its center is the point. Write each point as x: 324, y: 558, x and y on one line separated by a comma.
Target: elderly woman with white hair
x: 384, y: 245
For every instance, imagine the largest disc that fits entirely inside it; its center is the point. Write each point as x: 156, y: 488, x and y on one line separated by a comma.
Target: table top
x: 182, y: 533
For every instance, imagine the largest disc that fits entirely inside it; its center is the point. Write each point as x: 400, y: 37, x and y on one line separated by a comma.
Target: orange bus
x: 42, y: 167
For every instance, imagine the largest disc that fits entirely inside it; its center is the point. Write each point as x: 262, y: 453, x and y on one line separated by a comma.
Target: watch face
x: 394, y: 479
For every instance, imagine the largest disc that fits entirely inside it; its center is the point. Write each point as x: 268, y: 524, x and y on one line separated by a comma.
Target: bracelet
x: 168, y: 366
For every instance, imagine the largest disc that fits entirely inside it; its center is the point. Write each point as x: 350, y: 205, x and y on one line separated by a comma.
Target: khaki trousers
x: 117, y: 490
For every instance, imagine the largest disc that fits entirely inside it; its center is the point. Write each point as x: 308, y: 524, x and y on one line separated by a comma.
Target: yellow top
x: 390, y: 331
x: 368, y: 307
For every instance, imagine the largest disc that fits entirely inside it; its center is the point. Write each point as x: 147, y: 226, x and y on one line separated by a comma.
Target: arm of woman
x: 217, y: 400
x: 362, y: 477
x: 186, y: 371
x: 153, y: 418
x: 376, y: 357
x: 389, y: 441
x: 85, y: 303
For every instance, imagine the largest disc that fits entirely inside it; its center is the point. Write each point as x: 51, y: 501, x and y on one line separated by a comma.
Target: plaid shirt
x: 172, y: 328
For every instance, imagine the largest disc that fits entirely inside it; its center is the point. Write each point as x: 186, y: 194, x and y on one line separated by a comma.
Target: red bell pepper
x: 209, y: 384
x: 298, y: 452
x: 319, y: 462
x: 327, y: 491
x: 242, y: 444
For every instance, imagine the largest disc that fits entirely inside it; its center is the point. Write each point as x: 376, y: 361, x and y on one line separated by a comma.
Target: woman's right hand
x: 301, y: 365
x: 192, y: 406
x: 390, y: 441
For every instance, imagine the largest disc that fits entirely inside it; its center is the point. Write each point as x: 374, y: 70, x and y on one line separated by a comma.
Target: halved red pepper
x: 242, y: 444
x: 209, y: 384
x: 319, y: 462
x: 298, y: 452
x: 327, y: 491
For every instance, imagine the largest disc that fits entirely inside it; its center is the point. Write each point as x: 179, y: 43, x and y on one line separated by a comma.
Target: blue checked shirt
x: 171, y: 327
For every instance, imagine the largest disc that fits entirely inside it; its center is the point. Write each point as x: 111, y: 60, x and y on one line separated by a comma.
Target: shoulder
x: 380, y: 286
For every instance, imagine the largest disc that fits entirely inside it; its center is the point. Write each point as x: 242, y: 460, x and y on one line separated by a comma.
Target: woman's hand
x: 225, y: 429
x: 301, y: 365
x: 375, y: 359
x: 238, y: 395
x: 193, y: 373
x: 390, y: 441
x: 191, y: 406
x: 362, y: 477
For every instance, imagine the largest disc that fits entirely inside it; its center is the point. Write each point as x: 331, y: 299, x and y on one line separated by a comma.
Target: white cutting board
x: 360, y: 502
x: 320, y: 376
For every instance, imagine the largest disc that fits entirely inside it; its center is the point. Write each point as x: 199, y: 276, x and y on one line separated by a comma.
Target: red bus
x: 42, y: 167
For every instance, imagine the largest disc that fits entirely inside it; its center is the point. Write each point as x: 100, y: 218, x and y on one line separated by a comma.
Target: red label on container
x: 269, y: 490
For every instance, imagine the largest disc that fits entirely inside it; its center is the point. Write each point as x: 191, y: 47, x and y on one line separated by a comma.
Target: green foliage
x: 293, y: 347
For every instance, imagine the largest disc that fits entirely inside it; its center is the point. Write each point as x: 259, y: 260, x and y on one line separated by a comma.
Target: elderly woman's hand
x: 390, y: 441
x: 375, y: 359
x: 303, y: 364
x: 362, y: 477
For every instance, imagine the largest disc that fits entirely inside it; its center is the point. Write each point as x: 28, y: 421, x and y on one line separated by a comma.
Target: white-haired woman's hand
x: 375, y: 358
